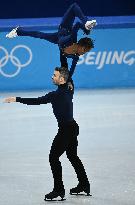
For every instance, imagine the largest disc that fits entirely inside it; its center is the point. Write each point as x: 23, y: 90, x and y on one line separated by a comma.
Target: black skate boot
x: 55, y: 194
x: 81, y: 188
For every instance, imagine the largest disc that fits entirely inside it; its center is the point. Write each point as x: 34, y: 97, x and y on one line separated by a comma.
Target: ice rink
x: 106, y: 147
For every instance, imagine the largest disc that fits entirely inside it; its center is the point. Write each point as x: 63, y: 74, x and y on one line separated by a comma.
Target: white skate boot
x: 90, y: 24
x: 13, y: 33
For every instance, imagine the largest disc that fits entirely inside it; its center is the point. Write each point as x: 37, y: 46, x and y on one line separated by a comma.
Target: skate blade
x: 54, y: 199
x: 80, y: 194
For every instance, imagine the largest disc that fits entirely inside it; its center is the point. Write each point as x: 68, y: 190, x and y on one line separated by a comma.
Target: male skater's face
x: 56, y: 77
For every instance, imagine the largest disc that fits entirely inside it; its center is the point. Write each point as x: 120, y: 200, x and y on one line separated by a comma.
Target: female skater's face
x: 82, y: 50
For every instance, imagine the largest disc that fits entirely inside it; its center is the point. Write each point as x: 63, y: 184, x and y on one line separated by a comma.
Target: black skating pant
x: 66, y: 140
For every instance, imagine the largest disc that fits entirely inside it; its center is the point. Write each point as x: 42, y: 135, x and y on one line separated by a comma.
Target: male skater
x: 66, y: 138
x: 66, y: 37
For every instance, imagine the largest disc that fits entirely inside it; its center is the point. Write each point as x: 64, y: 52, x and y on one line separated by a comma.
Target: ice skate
x: 13, y: 33
x: 54, y: 196
x: 90, y: 24
x: 81, y: 188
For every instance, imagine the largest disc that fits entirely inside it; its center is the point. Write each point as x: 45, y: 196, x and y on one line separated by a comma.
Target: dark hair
x: 64, y: 72
x: 86, y: 42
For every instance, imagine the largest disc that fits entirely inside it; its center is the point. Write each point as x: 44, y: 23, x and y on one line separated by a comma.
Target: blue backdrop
x: 52, y: 8
x: 28, y: 63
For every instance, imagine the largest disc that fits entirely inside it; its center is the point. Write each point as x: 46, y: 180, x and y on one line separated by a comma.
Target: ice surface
x: 106, y: 147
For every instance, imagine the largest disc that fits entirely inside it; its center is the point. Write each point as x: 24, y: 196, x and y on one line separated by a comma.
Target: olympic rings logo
x: 14, y: 60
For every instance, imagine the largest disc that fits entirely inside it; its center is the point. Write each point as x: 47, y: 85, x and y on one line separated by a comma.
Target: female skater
x: 66, y: 37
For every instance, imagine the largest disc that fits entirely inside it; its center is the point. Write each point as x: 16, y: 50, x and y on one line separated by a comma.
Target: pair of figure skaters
x: 61, y: 99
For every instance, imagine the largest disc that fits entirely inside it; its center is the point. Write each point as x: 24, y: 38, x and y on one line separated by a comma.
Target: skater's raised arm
x: 64, y: 63
x: 63, y: 60
x: 72, y: 68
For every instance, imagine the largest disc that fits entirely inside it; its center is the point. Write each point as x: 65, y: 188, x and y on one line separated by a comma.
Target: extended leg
x: 51, y: 37
x: 69, y: 17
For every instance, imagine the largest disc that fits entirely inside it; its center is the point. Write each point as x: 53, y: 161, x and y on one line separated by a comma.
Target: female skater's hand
x: 70, y: 86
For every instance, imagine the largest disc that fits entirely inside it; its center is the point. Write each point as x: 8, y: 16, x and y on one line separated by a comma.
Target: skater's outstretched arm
x: 32, y: 101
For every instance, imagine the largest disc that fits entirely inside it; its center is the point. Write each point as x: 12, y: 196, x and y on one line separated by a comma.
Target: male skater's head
x: 60, y: 75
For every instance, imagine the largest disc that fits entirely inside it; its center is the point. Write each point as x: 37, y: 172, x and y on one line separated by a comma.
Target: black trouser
x: 66, y: 140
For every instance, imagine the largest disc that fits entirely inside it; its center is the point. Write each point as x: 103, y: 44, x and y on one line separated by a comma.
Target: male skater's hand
x: 10, y: 99
x: 70, y: 86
